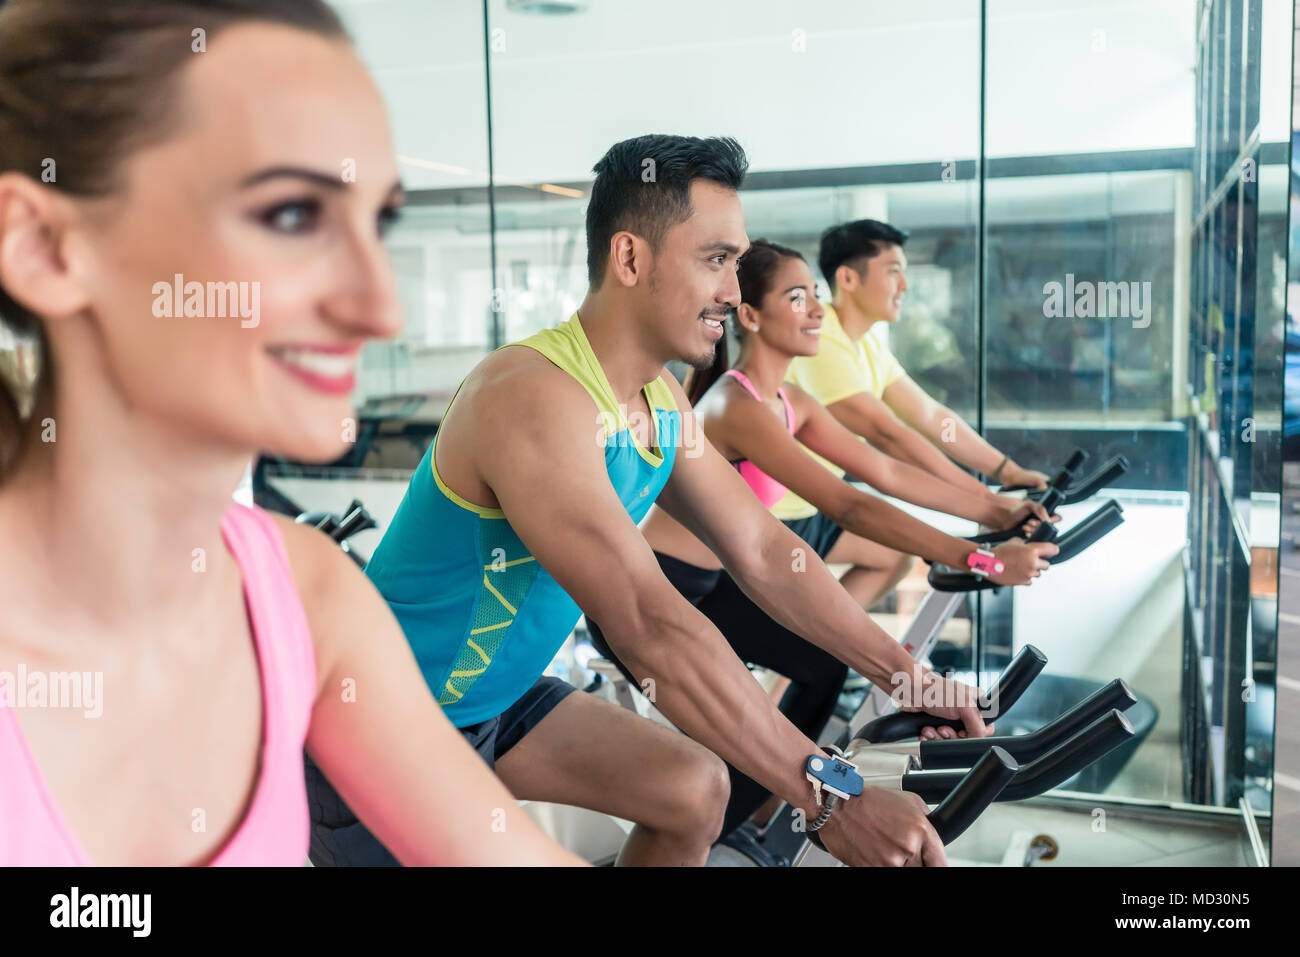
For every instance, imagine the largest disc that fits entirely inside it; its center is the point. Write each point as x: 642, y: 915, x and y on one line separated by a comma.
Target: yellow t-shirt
x: 840, y: 369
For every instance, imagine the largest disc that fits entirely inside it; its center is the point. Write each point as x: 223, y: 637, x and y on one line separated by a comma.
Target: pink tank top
x: 276, y: 828
x: 768, y: 489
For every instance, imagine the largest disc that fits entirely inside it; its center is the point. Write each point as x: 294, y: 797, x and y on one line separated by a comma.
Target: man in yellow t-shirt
x: 858, y: 379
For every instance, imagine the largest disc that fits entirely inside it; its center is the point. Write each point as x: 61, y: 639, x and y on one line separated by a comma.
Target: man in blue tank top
x: 523, y: 515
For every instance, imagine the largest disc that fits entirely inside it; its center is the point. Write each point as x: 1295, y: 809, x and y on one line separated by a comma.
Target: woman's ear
x: 746, y: 317
x: 33, y: 269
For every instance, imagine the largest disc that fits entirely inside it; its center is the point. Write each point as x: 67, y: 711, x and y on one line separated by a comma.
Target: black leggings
x: 816, y: 678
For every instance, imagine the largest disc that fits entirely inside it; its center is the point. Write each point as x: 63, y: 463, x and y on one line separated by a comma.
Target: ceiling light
x: 546, y: 6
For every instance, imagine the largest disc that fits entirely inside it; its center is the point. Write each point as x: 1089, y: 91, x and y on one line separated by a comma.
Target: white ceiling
x: 820, y: 83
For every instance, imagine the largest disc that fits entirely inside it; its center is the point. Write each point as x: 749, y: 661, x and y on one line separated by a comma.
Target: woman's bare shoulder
x: 319, y: 575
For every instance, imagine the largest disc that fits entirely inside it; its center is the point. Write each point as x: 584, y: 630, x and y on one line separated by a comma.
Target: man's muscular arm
x: 949, y: 432
x: 709, y: 498
x: 536, y: 448
x: 869, y: 417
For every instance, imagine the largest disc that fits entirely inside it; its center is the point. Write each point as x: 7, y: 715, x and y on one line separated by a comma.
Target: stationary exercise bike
x: 949, y: 587
x: 1057, y: 752
x: 354, y: 519
x: 963, y: 776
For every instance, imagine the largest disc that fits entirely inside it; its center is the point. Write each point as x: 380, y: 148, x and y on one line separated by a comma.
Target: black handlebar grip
x: 1076, y: 459
x: 1051, y: 770
x: 1045, y: 532
x: 963, y: 752
x: 1065, y: 761
x: 943, y: 578
x: 1061, y: 480
x: 321, y: 521
x: 1108, y: 472
x: 1093, y: 528
x: 357, y: 520
x: 1054, y: 494
x: 1004, y: 692
x: 1051, y: 499
x: 341, y: 527
x: 976, y: 791
x: 1082, y: 536
x: 339, y: 532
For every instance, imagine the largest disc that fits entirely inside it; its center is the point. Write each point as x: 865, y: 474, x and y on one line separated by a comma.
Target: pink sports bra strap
x: 749, y: 387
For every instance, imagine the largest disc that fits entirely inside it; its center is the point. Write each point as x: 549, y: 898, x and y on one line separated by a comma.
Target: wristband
x: 825, y: 815
x: 983, y: 563
x: 997, y: 472
x: 837, y: 777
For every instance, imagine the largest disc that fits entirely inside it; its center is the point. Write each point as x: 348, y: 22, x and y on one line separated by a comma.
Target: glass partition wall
x: 1172, y: 241
x: 1286, y: 722
x: 1096, y: 202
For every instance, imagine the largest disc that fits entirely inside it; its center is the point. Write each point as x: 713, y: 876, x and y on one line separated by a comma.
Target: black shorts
x: 495, y: 736
x: 338, y: 839
x: 818, y: 531
x: 816, y: 678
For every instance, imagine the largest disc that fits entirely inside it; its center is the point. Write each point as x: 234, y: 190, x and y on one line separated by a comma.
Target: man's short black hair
x: 643, y: 185
x: 854, y: 244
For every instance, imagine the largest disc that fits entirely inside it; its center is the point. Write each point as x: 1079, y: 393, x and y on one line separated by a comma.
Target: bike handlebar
x: 1004, y: 692
x: 980, y: 787
x: 354, y: 519
x: 1061, y: 478
x: 1102, y: 476
x: 963, y: 752
x: 1096, y: 526
x: 1082, y: 536
x: 1051, y: 770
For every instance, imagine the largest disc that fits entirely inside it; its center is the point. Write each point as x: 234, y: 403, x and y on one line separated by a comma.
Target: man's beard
x: 701, y: 362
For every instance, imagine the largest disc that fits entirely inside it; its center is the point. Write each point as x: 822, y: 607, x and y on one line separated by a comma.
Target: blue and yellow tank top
x: 482, y: 616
